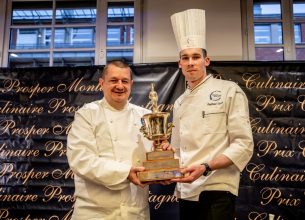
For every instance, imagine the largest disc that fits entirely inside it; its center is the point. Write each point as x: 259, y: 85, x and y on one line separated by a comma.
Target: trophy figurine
x: 159, y: 164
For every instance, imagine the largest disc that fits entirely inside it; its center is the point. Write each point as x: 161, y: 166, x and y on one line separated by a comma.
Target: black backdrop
x: 37, y: 107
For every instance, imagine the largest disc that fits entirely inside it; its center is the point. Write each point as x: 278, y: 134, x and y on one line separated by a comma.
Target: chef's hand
x: 133, y: 177
x: 165, y: 145
x: 190, y: 174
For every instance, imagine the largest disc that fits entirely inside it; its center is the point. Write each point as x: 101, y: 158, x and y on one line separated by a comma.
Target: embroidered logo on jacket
x: 215, y: 96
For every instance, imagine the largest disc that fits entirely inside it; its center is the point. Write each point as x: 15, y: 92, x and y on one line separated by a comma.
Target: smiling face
x: 193, y: 65
x: 116, y: 84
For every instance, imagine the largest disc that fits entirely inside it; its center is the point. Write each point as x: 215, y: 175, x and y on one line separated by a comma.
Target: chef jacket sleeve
x: 240, y: 149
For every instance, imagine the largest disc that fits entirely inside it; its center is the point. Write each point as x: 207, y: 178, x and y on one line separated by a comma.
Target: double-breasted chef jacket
x: 103, y: 144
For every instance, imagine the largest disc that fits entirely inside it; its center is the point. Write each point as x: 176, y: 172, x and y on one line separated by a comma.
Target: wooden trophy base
x: 160, y: 165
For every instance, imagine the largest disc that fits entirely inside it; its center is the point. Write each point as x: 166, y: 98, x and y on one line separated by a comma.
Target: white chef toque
x: 189, y: 28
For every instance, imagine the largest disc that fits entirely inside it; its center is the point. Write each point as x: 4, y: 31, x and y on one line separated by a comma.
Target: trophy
x: 159, y: 164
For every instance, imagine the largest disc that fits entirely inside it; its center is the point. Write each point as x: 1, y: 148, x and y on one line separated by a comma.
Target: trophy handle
x: 169, y: 129
x: 144, y: 131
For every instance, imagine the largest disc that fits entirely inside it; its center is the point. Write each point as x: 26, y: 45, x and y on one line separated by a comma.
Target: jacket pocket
x: 214, y: 121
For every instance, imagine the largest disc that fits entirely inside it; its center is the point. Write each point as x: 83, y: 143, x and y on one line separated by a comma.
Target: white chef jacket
x: 210, y: 120
x: 103, y: 144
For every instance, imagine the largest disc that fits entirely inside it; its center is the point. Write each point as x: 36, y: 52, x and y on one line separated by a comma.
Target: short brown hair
x: 117, y: 63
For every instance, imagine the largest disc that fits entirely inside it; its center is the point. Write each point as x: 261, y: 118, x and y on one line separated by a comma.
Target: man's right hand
x: 133, y: 177
x: 165, y: 145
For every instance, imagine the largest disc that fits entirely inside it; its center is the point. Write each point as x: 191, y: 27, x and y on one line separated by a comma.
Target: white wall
x: 223, y: 23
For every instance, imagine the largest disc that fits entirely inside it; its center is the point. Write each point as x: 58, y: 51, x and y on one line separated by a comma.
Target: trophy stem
x: 157, y: 145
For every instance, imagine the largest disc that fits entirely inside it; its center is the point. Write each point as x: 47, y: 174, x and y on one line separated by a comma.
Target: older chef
x: 106, y: 150
x: 212, y: 132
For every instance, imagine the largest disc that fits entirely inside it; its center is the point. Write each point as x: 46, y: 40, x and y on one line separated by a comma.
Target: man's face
x: 193, y: 65
x: 116, y: 86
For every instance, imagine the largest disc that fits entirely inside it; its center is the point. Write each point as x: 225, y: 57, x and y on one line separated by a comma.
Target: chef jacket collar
x: 108, y: 106
x: 199, y: 84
